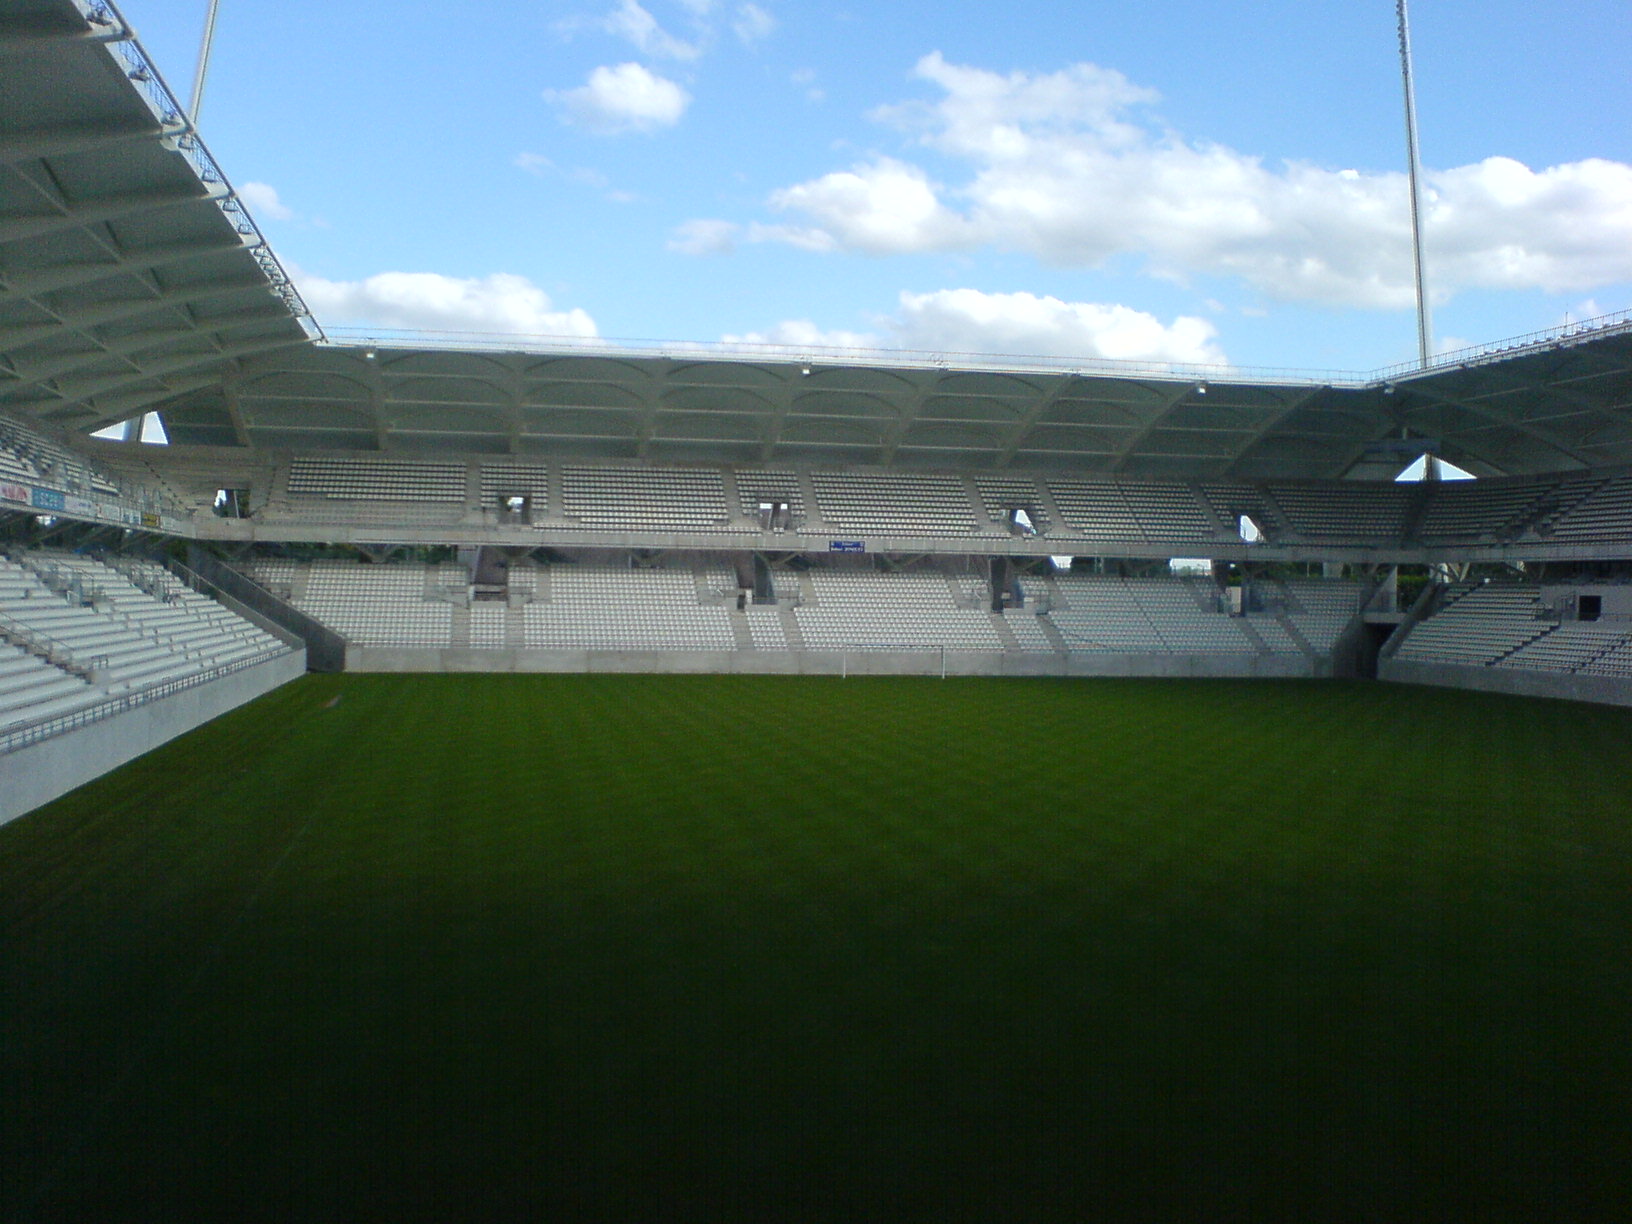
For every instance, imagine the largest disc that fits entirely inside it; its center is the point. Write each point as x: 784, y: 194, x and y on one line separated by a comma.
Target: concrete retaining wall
x: 1605, y: 690
x: 825, y: 663
x: 41, y: 772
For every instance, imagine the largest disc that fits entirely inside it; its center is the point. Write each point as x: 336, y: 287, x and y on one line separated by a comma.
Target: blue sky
x: 1176, y: 180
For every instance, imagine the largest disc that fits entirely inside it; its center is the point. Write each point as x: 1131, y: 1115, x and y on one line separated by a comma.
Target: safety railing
x: 816, y: 354
x: 1500, y: 350
x: 22, y: 736
x: 58, y: 654
x: 104, y: 17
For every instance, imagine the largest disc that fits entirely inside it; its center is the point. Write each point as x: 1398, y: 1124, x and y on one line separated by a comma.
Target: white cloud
x: 803, y: 334
x: 879, y: 208
x: 263, y: 202
x: 704, y: 236
x: 1498, y: 224
x: 629, y: 20
x: 1066, y: 167
x: 427, y: 300
x: 970, y: 321
x: 752, y: 24
x: 624, y: 98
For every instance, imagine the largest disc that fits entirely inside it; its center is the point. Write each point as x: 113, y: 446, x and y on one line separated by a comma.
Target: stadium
x: 459, y: 777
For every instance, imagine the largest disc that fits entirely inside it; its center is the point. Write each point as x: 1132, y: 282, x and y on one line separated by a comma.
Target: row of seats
x: 1506, y: 625
x: 875, y: 610
x: 594, y: 607
x: 1477, y: 625
x: 882, y: 502
x: 874, y: 501
x: 682, y: 607
x: 30, y: 456
x: 80, y: 632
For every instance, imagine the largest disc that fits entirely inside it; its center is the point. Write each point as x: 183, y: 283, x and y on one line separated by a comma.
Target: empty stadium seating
x: 863, y: 609
x: 79, y: 632
x: 1478, y: 625
x: 687, y: 605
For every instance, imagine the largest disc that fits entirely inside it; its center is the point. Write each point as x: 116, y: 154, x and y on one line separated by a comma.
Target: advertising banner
x: 14, y: 492
x: 48, y: 499
x: 846, y: 546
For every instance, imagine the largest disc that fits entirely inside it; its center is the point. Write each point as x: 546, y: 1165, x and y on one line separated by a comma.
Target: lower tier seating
x: 76, y: 632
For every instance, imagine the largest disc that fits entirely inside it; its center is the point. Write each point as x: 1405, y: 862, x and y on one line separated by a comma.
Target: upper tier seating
x: 756, y: 488
x: 675, y: 499
x: 1476, y: 510
x: 1603, y: 513
x: 1094, y: 509
x: 899, y: 503
x: 1001, y: 494
x: 28, y: 455
x: 1342, y: 509
x: 397, y: 480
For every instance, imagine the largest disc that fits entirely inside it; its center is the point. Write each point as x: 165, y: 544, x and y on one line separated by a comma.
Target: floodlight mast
x: 1424, y: 327
x: 203, y: 63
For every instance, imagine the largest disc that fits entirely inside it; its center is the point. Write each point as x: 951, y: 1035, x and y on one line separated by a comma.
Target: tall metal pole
x: 1425, y: 342
x: 203, y: 63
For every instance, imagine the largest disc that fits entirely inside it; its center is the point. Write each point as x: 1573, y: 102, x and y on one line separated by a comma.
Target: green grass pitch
x: 774, y: 948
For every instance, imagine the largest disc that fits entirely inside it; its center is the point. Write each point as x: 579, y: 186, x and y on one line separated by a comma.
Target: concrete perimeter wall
x: 828, y: 662
x: 43, y: 771
x: 1605, y: 690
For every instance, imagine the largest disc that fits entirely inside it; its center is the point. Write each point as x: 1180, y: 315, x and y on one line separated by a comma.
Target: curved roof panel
x: 133, y: 280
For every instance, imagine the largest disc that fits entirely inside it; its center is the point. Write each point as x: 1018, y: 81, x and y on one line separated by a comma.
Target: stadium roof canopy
x: 132, y: 280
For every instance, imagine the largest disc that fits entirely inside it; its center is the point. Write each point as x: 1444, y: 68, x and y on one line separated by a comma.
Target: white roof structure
x: 133, y: 280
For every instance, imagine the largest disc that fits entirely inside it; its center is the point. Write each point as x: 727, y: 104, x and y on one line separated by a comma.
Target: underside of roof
x: 1558, y: 406
x: 129, y: 272
x: 132, y: 280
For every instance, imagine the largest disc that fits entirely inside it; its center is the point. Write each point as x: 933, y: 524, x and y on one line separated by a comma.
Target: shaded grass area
x: 775, y: 947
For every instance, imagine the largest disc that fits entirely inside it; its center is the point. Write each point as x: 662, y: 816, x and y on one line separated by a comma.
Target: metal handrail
x: 815, y: 354
x: 183, y: 136
x: 32, y: 733
x: 58, y: 654
x: 1500, y: 350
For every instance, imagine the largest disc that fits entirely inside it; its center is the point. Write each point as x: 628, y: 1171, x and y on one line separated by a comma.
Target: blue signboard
x: 846, y: 546
x: 48, y: 499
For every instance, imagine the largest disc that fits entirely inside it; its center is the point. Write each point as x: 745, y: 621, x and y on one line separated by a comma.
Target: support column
x: 764, y: 586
